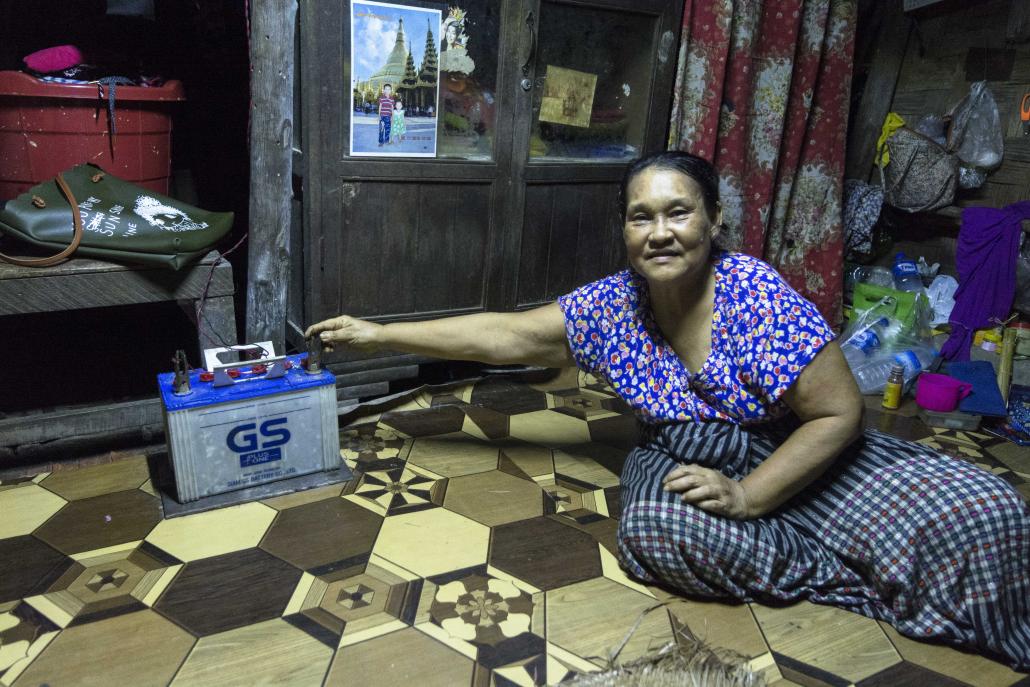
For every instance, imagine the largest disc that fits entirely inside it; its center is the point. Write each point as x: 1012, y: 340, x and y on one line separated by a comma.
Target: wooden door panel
x: 409, y: 247
x: 571, y: 236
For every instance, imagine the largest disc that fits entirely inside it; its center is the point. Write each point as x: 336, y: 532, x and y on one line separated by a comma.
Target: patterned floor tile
x: 95, y: 480
x: 424, y: 421
x: 367, y: 444
x: 139, y: 648
x: 829, y: 640
x: 484, y: 423
x: 24, y: 633
x: 493, y: 620
x: 580, y: 464
x: 907, y: 674
x: 274, y: 650
x: 494, y: 498
x: 611, y: 569
x: 592, y: 618
x: 356, y: 603
x: 727, y: 626
x: 507, y: 396
x: 108, y: 582
x: 961, y: 665
x: 550, y: 429
x: 432, y: 541
x: 394, y: 489
x: 545, y: 553
x: 527, y: 461
x: 584, y: 404
x: 102, y: 521
x: 407, y: 657
x: 225, y: 592
x: 302, y: 498
x: 619, y: 431
x: 321, y: 533
x: 216, y: 532
x: 21, y: 480
x: 26, y: 508
x: 28, y: 566
x: 453, y: 455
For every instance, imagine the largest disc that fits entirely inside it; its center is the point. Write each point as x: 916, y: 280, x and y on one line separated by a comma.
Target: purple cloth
x: 988, y: 245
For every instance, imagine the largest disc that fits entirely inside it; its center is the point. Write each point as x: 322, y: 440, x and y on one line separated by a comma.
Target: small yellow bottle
x: 892, y: 392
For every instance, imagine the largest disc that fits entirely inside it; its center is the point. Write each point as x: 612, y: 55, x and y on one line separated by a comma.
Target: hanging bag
x: 921, y: 175
x: 87, y: 212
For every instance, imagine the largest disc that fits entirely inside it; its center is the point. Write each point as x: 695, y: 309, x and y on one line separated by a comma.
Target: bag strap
x: 76, y: 237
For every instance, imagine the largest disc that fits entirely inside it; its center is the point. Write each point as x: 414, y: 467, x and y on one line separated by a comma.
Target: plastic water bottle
x: 865, y: 342
x: 872, y: 375
x: 906, y: 274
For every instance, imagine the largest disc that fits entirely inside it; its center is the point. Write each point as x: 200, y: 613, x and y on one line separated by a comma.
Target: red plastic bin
x: 46, y: 128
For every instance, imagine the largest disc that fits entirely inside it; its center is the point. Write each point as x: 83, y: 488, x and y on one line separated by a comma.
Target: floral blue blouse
x: 763, y: 335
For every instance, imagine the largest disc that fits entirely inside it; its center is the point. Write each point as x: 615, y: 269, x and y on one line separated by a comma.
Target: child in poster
x: 385, y: 114
x: 397, y: 127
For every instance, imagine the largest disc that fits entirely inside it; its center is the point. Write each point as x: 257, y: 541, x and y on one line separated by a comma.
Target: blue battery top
x: 246, y: 386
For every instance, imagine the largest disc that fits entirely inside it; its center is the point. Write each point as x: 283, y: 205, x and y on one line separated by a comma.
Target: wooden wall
x: 923, y: 62
x: 953, y: 45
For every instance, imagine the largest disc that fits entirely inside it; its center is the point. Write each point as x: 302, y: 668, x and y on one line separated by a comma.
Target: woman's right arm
x: 532, y: 337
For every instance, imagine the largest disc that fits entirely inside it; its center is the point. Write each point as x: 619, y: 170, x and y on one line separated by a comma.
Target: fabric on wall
x: 762, y: 90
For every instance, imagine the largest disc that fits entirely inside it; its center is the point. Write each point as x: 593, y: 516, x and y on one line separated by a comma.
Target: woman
x: 753, y: 479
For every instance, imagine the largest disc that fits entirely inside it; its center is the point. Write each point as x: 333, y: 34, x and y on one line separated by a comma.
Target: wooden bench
x: 87, y: 283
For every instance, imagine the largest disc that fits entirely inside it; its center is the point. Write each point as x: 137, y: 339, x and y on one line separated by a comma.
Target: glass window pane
x: 468, y: 80
x: 592, y: 89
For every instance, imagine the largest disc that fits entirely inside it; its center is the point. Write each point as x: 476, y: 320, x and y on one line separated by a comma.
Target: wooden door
x: 595, y: 91
x: 488, y: 223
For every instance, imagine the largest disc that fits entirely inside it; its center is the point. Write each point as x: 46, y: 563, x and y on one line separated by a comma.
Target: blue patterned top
x: 763, y: 335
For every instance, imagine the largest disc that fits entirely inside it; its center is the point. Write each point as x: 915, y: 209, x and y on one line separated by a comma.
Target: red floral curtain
x: 762, y: 90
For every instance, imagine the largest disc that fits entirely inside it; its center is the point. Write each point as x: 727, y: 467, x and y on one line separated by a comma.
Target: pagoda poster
x: 395, y: 79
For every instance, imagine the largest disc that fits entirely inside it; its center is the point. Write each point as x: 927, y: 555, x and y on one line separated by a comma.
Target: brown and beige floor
x: 473, y: 547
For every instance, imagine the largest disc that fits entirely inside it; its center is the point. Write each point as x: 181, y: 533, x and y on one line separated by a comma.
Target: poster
x: 395, y: 79
x: 568, y: 97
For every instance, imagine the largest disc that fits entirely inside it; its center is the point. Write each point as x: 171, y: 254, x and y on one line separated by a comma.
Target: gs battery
x: 238, y: 425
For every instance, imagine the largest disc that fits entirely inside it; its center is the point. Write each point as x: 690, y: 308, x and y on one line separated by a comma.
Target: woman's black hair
x: 697, y: 168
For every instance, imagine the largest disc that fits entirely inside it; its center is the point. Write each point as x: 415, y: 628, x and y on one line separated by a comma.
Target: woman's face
x: 668, y: 231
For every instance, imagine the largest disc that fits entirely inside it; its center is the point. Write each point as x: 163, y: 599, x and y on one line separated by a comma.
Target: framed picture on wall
x: 395, y: 79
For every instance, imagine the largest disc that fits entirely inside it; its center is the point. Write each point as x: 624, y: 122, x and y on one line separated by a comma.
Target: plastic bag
x: 975, y: 134
x: 875, y: 340
x: 942, y: 298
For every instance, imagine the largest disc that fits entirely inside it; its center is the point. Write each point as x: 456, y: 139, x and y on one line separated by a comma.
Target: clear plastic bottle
x: 906, y: 274
x: 865, y: 342
x: 872, y: 375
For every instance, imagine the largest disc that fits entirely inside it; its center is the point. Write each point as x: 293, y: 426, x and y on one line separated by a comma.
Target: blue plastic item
x: 906, y: 274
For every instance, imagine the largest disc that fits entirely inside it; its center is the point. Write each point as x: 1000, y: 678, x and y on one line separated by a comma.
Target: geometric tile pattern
x: 474, y: 546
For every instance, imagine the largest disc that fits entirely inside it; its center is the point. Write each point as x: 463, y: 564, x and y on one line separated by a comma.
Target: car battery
x: 238, y: 425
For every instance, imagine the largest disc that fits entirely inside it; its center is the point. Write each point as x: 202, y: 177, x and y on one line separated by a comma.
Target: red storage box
x: 46, y: 128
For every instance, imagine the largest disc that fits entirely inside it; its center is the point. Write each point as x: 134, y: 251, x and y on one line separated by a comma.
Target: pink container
x: 940, y: 393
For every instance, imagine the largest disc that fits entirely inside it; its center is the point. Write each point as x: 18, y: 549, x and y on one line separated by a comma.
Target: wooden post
x: 879, y: 91
x: 271, y: 168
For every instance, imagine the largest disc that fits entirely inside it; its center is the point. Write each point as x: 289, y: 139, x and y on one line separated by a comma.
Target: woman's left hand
x: 709, y: 490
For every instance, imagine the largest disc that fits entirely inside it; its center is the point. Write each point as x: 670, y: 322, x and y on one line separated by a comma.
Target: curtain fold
x: 762, y: 90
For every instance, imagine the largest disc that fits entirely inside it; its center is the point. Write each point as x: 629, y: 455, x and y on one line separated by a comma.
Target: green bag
x: 114, y: 220
x: 901, y: 304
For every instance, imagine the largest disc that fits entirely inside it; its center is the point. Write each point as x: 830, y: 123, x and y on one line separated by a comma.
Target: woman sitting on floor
x: 753, y: 479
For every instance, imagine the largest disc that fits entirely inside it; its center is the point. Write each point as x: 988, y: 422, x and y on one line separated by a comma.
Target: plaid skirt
x: 893, y: 530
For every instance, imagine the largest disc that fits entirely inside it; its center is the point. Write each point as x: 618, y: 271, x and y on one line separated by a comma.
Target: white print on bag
x: 105, y: 224
x: 162, y: 216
